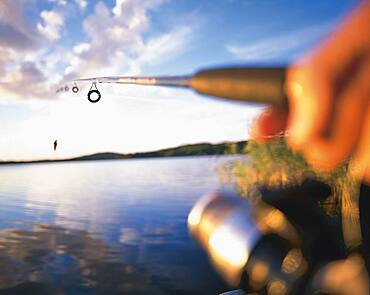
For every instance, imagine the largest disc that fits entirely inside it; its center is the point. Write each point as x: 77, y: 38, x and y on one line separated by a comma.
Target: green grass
x: 274, y: 164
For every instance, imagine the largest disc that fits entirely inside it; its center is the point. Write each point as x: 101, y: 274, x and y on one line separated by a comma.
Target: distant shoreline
x: 199, y: 149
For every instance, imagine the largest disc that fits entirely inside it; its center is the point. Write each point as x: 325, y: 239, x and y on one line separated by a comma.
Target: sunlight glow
x: 228, y: 246
x: 122, y: 122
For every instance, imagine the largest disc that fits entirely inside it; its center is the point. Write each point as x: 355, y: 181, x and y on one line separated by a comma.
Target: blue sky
x: 45, y: 42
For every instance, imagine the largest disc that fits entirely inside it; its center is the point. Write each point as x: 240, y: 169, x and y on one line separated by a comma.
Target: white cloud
x: 52, y: 24
x: 81, y: 48
x: 14, y: 31
x: 59, y: 2
x: 116, y: 43
x: 27, y: 80
x: 134, y: 14
x: 164, y: 46
x: 20, y: 74
x: 81, y: 3
x: 271, y: 47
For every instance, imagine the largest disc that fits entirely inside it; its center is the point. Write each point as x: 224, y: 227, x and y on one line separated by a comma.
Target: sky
x: 44, y: 43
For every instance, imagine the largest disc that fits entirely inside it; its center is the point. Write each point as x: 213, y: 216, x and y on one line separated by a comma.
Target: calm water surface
x: 107, y: 227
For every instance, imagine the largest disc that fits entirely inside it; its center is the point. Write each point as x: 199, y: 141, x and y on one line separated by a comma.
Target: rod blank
x: 259, y: 85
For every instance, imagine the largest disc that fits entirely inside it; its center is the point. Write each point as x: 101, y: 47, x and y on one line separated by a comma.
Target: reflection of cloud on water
x: 147, y: 235
x: 87, y: 195
x: 68, y: 193
x: 129, y: 236
x: 116, y: 223
x: 98, y: 197
x: 63, y: 258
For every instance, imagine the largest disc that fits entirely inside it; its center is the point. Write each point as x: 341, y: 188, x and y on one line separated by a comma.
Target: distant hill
x: 198, y: 149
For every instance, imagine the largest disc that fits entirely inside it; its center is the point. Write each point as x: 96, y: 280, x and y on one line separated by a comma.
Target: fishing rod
x: 248, y: 84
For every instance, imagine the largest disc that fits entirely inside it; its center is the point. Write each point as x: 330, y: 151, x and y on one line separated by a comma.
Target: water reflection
x: 74, y: 261
x: 104, y: 227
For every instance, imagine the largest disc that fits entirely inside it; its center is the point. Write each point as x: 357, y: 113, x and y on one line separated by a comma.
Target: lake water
x: 105, y: 227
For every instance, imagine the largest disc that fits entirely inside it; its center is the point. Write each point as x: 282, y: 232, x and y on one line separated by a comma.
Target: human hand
x: 329, y: 100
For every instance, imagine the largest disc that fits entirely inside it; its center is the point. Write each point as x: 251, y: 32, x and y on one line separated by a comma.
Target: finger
x: 351, y: 37
x: 310, y: 84
x: 361, y: 161
x: 269, y: 124
x: 347, y: 276
x: 326, y: 151
x: 310, y: 99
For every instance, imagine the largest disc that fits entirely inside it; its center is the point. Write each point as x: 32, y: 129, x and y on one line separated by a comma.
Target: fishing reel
x: 276, y: 246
